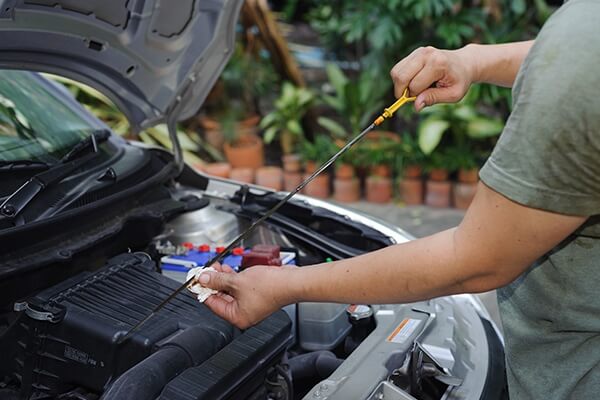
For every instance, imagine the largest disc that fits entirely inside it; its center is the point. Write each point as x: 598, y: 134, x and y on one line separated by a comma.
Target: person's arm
x: 497, y: 240
x: 453, y: 71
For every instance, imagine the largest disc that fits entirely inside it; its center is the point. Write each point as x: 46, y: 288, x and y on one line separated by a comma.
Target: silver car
x: 96, y: 231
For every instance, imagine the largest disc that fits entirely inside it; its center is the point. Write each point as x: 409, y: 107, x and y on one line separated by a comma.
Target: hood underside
x: 153, y: 58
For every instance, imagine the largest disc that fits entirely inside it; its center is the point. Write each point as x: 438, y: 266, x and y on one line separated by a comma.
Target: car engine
x: 64, y: 342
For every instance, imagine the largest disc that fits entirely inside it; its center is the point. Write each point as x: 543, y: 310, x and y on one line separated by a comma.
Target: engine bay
x: 63, y: 341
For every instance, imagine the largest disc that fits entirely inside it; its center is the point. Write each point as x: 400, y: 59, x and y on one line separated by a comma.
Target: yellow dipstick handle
x: 391, y: 110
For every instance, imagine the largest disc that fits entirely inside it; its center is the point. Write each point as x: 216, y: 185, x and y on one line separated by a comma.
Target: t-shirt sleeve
x: 548, y: 156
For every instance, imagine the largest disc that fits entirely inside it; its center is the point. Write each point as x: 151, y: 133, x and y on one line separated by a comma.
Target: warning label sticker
x: 404, y: 330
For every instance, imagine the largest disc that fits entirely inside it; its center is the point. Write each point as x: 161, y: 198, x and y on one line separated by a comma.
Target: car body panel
x: 152, y: 59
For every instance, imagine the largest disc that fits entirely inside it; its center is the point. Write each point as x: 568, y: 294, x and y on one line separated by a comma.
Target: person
x: 532, y: 229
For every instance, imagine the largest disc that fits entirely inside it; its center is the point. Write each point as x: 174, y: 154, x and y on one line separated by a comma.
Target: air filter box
x: 67, y: 336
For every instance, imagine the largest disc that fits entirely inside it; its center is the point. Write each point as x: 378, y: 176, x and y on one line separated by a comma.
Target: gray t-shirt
x: 548, y: 157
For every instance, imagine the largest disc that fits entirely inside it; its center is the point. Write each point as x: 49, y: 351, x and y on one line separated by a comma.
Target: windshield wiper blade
x: 23, y: 165
x: 16, y: 202
x: 91, y: 141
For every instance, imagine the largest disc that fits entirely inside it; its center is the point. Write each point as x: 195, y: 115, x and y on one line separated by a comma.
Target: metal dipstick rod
x: 388, y: 112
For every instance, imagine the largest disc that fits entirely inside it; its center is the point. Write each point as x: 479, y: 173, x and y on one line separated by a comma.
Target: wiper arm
x: 74, y: 159
x: 23, y: 165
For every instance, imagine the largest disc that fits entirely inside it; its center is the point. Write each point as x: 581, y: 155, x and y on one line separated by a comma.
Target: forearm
x: 497, y: 64
x: 418, y: 270
x: 496, y: 241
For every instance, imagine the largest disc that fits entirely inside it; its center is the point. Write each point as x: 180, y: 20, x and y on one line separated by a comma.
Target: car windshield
x: 38, y: 122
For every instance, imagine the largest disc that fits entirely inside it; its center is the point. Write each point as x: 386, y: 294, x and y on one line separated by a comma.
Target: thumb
x: 433, y: 96
x: 223, y: 282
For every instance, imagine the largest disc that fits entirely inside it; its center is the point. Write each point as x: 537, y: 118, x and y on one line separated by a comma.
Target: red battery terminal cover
x: 262, y: 254
x: 204, y: 248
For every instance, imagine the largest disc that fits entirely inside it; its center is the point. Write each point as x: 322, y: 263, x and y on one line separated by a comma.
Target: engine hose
x: 147, y: 379
x: 319, y: 364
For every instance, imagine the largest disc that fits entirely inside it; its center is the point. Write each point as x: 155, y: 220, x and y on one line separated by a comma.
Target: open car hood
x: 153, y: 58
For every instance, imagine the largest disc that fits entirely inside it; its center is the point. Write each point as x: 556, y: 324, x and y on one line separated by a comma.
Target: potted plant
x: 465, y: 162
x: 346, y: 186
x: 438, y: 187
x: 218, y: 169
x: 379, y: 156
x: 314, y: 154
x: 466, y: 125
x: 270, y: 176
x: 244, y: 175
x: 410, y: 170
x: 243, y: 148
x: 247, y: 77
x: 284, y: 121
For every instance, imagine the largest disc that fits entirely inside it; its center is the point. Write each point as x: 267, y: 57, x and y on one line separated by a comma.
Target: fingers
x: 431, y: 73
x: 405, y: 70
x: 221, y: 281
x: 225, y: 297
x: 223, y: 268
x: 437, y: 95
x: 227, y: 269
x: 218, y: 305
x: 425, y: 67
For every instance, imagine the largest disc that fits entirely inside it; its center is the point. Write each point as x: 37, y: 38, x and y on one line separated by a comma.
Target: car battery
x: 177, y: 266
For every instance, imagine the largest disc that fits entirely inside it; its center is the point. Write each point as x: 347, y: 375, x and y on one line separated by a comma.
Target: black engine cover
x: 66, y: 337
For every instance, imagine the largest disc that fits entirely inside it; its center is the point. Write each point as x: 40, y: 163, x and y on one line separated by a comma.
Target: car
x: 96, y: 231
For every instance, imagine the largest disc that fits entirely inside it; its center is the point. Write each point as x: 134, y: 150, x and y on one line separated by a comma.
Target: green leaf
x: 337, y: 78
x: 333, y: 127
x: 334, y: 102
x: 430, y: 134
x: 464, y: 112
x: 294, y: 127
x: 481, y: 128
x: 270, y: 134
x: 268, y: 120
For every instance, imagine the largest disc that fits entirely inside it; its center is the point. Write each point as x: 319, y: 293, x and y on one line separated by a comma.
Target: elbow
x: 487, y: 279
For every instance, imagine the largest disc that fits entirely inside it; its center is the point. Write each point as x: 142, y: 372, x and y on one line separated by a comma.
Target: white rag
x: 202, y: 292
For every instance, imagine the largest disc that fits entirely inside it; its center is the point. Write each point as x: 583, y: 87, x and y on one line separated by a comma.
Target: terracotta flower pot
x: 346, y: 190
x: 468, y: 175
x: 248, y: 123
x: 213, y: 132
x: 344, y: 171
x: 319, y: 187
x: 378, y: 189
x: 463, y: 194
x: 245, y: 175
x: 438, y: 194
x: 209, y: 124
x: 291, y: 163
x: 271, y: 177
x: 411, y: 191
x: 384, y: 171
x: 221, y: 170
x: 310, y: 167
x: 291, y: 180
x: 412, y: 171
x: 438, y: 175
x: 247, y: 152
